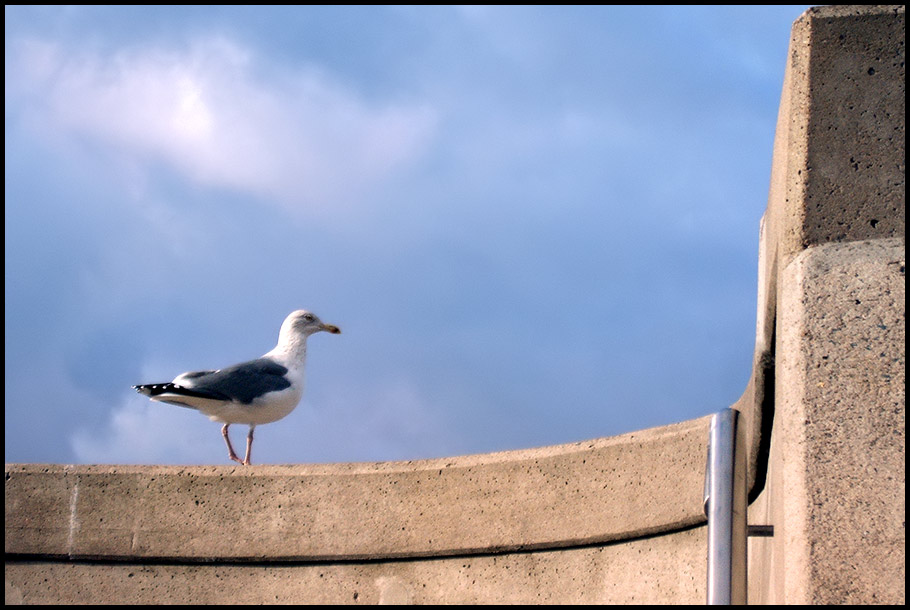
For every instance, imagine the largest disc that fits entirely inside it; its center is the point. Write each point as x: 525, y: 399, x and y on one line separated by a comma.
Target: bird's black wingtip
x: 145, y: 390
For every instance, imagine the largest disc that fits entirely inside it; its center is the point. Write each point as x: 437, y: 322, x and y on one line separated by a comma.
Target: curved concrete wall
x: 609, y: 520
x: 443, y: 507
x: 647, y: 571
x: 493, y: 520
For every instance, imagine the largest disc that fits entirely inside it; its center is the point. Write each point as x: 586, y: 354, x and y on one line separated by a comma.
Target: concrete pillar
x: 834, y: 244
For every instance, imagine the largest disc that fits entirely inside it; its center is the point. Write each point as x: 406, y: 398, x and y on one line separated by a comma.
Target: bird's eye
x: 309, y: 317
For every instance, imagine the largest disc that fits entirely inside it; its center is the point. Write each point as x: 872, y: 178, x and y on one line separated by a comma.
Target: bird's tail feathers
x: 179, y: 395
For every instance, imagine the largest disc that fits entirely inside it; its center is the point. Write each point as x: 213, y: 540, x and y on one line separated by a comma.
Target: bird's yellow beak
x: 331, y: 328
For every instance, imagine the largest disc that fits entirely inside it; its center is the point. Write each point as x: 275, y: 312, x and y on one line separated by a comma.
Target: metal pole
x: 725, y: 506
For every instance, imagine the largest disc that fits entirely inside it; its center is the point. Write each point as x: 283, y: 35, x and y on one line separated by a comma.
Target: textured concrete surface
x: 846, y: 135
x: 449, y: 530
x: 595, y: 491
x: 836, y: 486
x: 648, y: 571
x: 838, y: 164
x: 832, y: 280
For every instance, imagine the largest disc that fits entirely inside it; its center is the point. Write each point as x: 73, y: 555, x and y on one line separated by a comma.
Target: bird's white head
x: 305, y: 323
x: 296, y: 328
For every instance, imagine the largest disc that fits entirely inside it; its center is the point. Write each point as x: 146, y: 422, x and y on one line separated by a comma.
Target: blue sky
x: 534, y: 225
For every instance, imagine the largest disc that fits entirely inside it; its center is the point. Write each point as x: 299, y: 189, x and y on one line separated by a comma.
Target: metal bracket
x: 760, y: 531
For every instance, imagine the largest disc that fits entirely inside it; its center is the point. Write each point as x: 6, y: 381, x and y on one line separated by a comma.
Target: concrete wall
x: 609, y: 520
x: 557, y: 524
x: 833, y: 251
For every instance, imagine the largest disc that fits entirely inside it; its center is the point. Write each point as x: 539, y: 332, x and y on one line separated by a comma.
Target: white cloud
x: 215, y: 113
x: 140, y: 431
x: 145, y: 432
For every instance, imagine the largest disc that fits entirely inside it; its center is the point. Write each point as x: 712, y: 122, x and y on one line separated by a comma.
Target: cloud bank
x: 213, y: 112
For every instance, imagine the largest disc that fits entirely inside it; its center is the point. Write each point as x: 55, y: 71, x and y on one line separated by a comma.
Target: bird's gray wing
x: 241, y: 383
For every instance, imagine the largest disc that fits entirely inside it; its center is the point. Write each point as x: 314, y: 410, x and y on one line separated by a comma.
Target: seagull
x: 256, y: 392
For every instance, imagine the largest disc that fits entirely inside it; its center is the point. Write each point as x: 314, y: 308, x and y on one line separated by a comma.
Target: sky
x: 534, y: 225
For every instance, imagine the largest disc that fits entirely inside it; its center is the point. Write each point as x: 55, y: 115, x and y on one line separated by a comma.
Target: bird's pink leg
x: 227, y: 439
x: 249, y: 446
